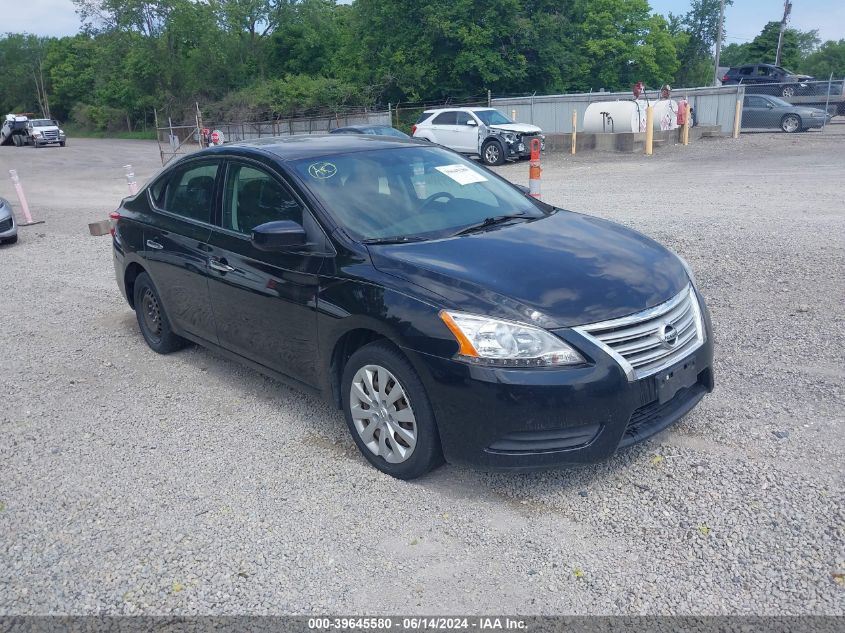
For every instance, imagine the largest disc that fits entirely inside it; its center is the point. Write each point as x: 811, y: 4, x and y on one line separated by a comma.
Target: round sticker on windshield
x: 322, y: 170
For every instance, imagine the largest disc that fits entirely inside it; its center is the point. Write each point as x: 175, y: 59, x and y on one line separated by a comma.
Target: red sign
x: 215, y: 137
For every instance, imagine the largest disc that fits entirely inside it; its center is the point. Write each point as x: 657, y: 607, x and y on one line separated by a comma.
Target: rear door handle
x: 154, y: 245
x: 220, y: 265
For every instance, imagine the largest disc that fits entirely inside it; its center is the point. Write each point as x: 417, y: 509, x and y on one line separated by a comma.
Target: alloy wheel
x: 791, y: 123
x: 491, y: 154
x: 382, y: 414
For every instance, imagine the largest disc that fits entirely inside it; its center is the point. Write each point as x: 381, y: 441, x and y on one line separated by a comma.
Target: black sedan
x: 377, y: 130
x: 445, y: 312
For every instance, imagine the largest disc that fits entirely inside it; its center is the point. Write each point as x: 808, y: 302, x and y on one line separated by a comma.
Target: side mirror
x: 770, y: 106
x: 278, y: 236
x: 472, y: 122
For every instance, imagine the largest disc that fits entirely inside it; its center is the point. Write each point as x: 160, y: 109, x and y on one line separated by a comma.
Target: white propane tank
x: 665, y: 114
x: 626, y: 116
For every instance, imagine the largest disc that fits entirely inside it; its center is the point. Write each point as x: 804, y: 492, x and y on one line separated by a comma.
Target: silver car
x: 8, y: 226
x: 765, y: 111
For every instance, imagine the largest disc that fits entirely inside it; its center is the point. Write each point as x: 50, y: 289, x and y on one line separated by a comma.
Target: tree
x: 828, y: 58
x: 695, y: 36
x: 622, y: 44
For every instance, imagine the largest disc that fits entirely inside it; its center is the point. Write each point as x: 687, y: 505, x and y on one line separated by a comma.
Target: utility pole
x: 719, y: 42
x: 787, y: 9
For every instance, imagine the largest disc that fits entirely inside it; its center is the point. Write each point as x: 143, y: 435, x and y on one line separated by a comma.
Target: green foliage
x: 256, y: 58
x: 828, y: 59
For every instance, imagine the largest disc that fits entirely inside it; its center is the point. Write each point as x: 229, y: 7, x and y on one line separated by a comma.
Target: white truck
x: 20, y: 130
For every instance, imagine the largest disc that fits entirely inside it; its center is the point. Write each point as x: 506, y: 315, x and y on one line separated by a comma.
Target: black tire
x: 788, y: 91
x: 63, y: 143
x: 426, y: 454
x: 16, y: 140
x: 492, y: 153
x: 791, y: 123
x: 152, y: 318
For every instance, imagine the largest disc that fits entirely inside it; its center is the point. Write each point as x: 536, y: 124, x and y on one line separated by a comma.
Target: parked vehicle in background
x: 19, y: 130
x: 8, y: 226
x: 13, y: 125
x: 764, y: 111
x: 378, y: 130
x: 483, y: 132
x: 40, y: 132
x: 445, y: 312
x: 768, y: 79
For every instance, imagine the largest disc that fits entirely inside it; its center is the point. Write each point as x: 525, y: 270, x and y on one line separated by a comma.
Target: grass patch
x: 72, y: 132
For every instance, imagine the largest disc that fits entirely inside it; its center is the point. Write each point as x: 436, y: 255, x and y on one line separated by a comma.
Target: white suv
x: 485, y: 132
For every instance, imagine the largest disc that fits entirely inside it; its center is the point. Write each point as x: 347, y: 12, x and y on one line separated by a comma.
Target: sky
x: 744, y: 19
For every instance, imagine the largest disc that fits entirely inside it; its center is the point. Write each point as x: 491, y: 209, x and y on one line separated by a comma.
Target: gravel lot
x: 133, y: 483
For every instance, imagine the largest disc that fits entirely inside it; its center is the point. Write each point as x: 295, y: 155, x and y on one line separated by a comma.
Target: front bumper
x: 522, y: 148
x: 540, y: 418
x: 8, y: 226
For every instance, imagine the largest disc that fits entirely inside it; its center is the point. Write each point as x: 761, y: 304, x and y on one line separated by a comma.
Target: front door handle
x: 220, y: 265
x: 154, y: 245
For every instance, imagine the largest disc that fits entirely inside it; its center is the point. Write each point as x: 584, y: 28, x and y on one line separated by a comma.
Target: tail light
x: 114, y: 216
x: 724, y: 79
x: 413, y: 130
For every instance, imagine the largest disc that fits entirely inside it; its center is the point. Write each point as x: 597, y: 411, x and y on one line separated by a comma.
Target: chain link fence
x: 792, y: 107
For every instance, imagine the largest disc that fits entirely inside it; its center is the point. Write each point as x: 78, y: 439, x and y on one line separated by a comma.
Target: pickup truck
x: 19, y: 130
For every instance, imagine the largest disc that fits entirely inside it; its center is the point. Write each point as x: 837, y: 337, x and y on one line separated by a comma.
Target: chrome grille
x: 648, y: 341
x: 50, y: 135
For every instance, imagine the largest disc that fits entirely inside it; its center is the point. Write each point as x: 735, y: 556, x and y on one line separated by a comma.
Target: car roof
x: 314, y: 145
x: 363, y: 126
x: 461, y: 109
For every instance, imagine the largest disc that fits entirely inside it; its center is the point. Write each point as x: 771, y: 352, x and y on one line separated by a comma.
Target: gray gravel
x: 133, y: 483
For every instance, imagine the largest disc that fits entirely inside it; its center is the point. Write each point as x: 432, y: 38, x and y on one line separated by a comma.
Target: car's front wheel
x: 790, y: 123
x: 388, y: 412
x: 492, y: 153
x: 788, y: 91
x: 152, y: 319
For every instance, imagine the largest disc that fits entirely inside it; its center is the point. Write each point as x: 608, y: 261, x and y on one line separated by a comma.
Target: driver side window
x: 252, y: 197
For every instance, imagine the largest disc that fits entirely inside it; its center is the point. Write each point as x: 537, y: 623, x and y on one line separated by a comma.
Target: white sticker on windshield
x: 461, y: 174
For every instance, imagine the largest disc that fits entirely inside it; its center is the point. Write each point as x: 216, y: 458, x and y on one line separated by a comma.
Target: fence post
x: 687, y: 115
x: 737, y: 118
x: 649, y: 130
x: 827, y: 101
x: 574, y: 129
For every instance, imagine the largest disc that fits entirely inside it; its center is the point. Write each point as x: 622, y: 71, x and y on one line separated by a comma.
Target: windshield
x: 41, y: 122
x: 491, y: 117
x: 409, y: 192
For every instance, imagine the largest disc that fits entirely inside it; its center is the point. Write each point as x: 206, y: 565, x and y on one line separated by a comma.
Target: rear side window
x: 188, y: 191
x: 746, y: 70
x: 423, y: 117
x: 445, y: 118
x: 253, y: 197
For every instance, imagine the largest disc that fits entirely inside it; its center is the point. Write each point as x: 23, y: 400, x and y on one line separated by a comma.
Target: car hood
x: 521, y: 128
x: 562, y: 270
x: 42, y: 128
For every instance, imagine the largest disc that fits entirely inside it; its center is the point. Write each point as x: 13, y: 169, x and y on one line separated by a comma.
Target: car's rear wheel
x: 388, y: 412
x: 152, y: 318
x: 790, y: 123
x: 492, y: 153
x: 788, y: 91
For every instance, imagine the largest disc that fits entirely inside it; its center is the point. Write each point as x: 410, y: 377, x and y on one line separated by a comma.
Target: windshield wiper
x: 491, y: 221
x: 396, y: 239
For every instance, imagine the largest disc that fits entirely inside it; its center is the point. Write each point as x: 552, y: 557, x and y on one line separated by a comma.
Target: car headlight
x: 510, y: 138
x: 62, y: 132
x: 486, y: 341
x: 36, y: 133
